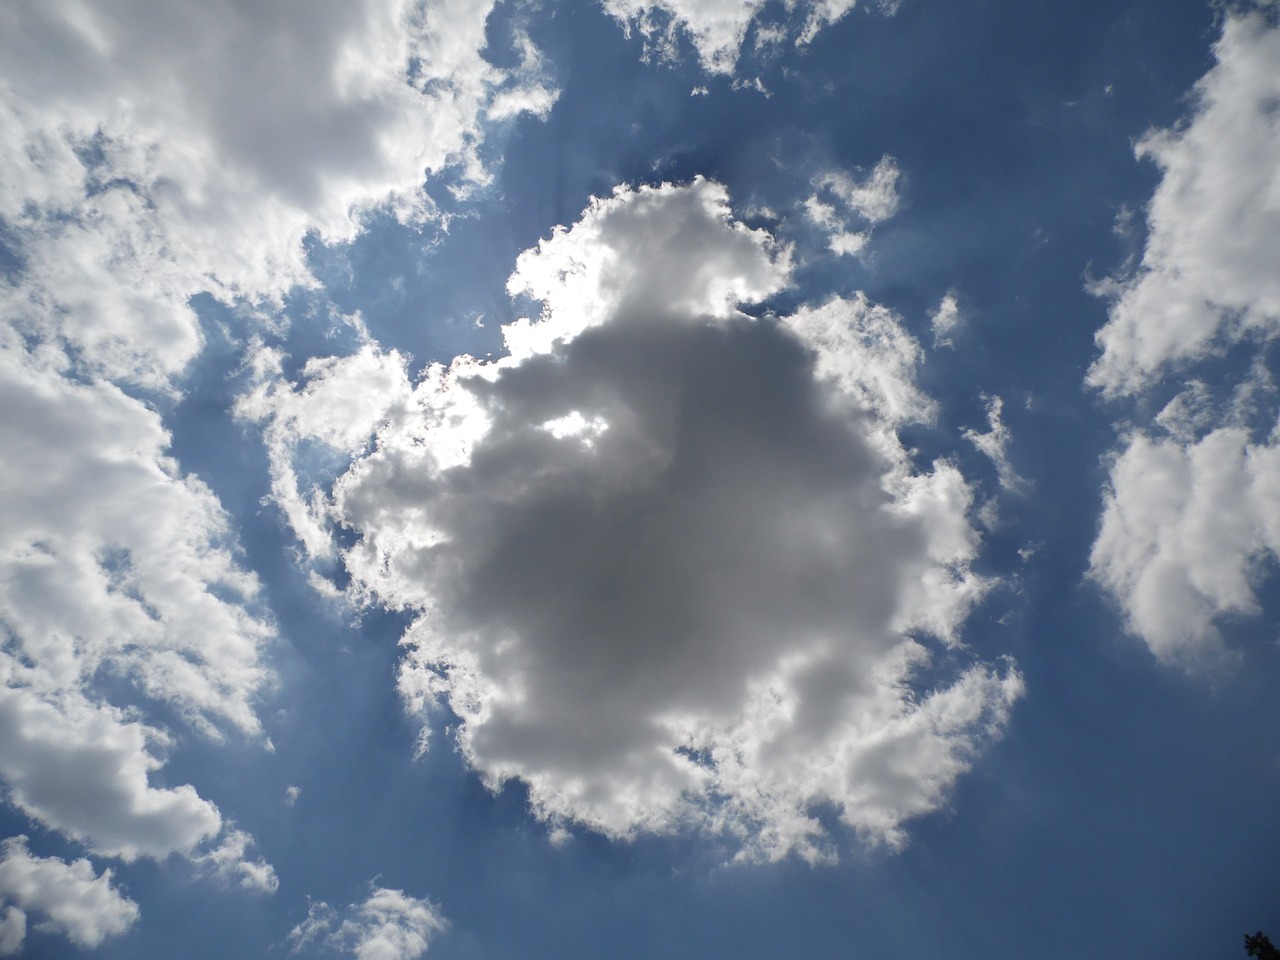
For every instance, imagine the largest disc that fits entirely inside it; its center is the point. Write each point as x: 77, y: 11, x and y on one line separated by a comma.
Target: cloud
x: 82, y: 769
x: 388, y: 925
x: 343, y: 402
x: 718, y: 28
x: 995, y: 444
x: 112, y: 565
x: 839, y: 202
x: 154, y: 151
x: 708, y: 262
x: 114, y: 561
x: 671, y: 564
x: 230, y: 861
x: 366, y: 97
x: 73, y: 900
x: 1184, y: 526
x: 1190, y: 515
x: 144, y: 166
x: 946, y: 320
x: 1207, y: 274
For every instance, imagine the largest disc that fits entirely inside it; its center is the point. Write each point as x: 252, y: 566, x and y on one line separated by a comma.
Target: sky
x: 639, y: 479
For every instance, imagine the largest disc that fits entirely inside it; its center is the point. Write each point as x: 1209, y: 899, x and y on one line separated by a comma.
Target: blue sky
x: 639, y: 479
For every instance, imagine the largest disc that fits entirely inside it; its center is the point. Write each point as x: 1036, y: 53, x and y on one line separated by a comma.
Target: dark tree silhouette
x: 1260, y: 946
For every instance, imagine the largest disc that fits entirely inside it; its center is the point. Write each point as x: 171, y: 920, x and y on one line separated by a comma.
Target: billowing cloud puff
x: 111, y: 564
x: 144, y: 163
x: 230, y: 862
x: 1185, y: 525
x: 672, y: 565
x: 154, y: 151
x: 718, y: 28
x: 387, y: 925
x: 1208, y: 271
x: 1192, y: 510
x: 641, y: 251
x: 83, y: 769
x: 70, y: 897
x: 113, y: 561
x: 342, y: 404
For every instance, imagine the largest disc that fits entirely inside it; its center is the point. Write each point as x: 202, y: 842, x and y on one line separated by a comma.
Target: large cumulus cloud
x: 672, y: 565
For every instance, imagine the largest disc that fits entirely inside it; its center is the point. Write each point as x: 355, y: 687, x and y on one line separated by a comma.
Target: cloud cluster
x: 387, y: 925
x: 113, y: 566
x: 145, y: 161
x: 1192, y: 508
x: 153, y: 151
x: 672, y: 566
x: 845, y: 208
x: 1208, y: 272
x: 71, y: 898
x: 718, y: 28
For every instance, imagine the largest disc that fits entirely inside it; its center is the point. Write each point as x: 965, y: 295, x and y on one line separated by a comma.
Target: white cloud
x: 710, y: 615
x: 154, y: 151
x: 388, y: 925
x: 343, y: 402
x: 145, y: 163
x: 1186, y: 524
x: 995, y: 444
x: 112, y: 564
x: 839, y: 202
x: 72, y: 899
x: 708, y: 262
x: 1208, y: 271
x: 112, y: 560
x: 946, y: 319
x: 229, y: 861
x: 1191, y: 515
x: 82, y: 769
x: 718, y: 28
x: 13, y: 930
x: 863, y: 351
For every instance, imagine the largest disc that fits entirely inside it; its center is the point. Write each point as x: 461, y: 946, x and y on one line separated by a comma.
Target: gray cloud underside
x: 674, y: 567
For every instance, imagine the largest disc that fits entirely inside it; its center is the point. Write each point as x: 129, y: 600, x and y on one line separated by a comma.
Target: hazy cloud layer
x: 67, y: 898
x: 672, y: 564
x: 1191, y: 512
x: 1208, y: 271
